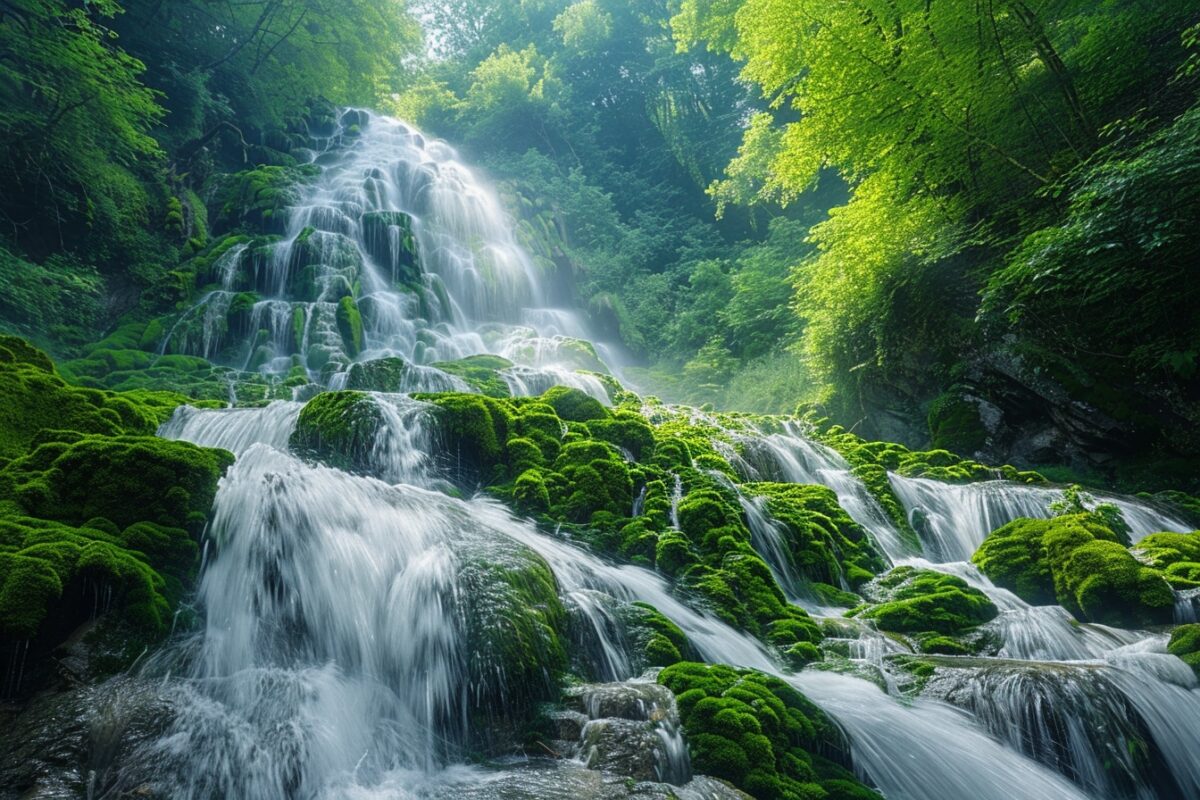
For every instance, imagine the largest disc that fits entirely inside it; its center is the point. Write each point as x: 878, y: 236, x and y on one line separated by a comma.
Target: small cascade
x: 234, y: 429
x: 676, y: 497
x: 954, y: 519
x: 1052, y: 712
x: 1187, y: 605
x: 792, y: 457
x: 928, y: 749
x: 769, y: 539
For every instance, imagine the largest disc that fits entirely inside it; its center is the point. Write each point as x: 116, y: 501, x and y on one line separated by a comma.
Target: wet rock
x: 622, y: 747
x: 635, y: 700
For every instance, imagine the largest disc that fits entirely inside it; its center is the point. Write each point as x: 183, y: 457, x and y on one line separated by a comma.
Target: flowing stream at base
x: 341, y: 652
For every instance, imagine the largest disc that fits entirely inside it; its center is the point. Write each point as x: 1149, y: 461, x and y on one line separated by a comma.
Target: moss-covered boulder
x: 257, y: 197
x: 517, y: 628
x: 480, y: 372
x: 340, y: 429
x: 1176, y: 554
x: 50, y: 573
x: 96, y: 514
x: 761, y: 735
x: 826, y: 546
x: 125, y: 479
x: 911, y: 600
x: 656, y: 641
x: 35, y: 399
x: 1185, y: 643
x: 1080, y: 563
x: 574, y: 405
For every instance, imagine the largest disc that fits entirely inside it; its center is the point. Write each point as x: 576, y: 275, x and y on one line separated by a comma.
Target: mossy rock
x: 574, y: 405
x: 517, y: 627
x: 378, y: 375
x: 825, y: 544
x: 1080, y: 563
x: 911, y: 600
x: 339, y: 429
x: 1185, y: 643
x: 656, y: 641
x: 473, y: 431
x: 955, y: 424
x: 760, y: 734
x: 481, y: 372
x: 34, y: 398
x: 350, y: 326
x: 125, y: 479
x: 258, y: 197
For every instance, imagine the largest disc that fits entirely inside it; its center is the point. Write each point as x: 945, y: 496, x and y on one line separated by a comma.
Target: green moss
x: 627, y: 430
x: 760, y: 734
x: 256, y: 197
x: 88, y: 510
x: 516, y: 625
x: 339, y: 429
x: 954, y: 423
x: 473, y: 431
x: 1185, y: 643
x: 349, y: 322
x: 481, y: 372
x: 125, y: 479
x: 1078, y: 562
x: 825, y: 544
x: 34, y: 397
x: 1176, y: 553
x: 656, y: 640
x: 910, y: 600
x: 574, y: 405
x: 378, y: 375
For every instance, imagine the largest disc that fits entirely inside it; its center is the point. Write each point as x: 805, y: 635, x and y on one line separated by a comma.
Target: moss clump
x: 481, y: 373
x: 339, y: 429
x: 627, y: 430
x: 825, y: 544
x: 910, y: 600
x: 1078, y: 562
x: 656, y: 641
x: 574, y: 405
x: 91, y: 511
x: 954, y: 423
x: 35, y: 398
x: 473, y: 431
x: 255, y: 197
x: 350, y: 326
x: 1177, y: 554
x: 378, y: 375
x: 45, y: 566
x: 760, y: 734
x: 516, y: 624
x: 125, y: 479
x: 1185, y: 643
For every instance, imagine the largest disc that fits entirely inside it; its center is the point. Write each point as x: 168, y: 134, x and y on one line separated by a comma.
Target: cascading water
x: 790, y: 456
x: 396, y: 250
x: 953, y: 520
x: 351, y: 622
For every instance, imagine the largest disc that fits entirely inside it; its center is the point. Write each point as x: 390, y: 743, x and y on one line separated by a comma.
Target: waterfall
x: 398, y: 230
x: 352, y: 624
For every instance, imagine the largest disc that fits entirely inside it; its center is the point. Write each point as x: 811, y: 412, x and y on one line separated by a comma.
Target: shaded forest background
x: 970, y: 225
